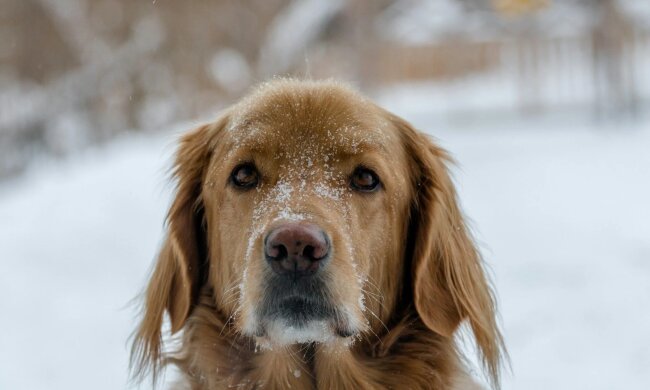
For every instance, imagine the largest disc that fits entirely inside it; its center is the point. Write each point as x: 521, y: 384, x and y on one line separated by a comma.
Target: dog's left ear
x: 448, y: 281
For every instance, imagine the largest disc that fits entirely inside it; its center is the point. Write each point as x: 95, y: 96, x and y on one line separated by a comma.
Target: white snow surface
x: 560, y: 209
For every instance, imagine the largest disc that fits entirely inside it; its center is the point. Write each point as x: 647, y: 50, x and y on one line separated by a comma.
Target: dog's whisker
x: 233, y: 286
x: 302, y: 361
x: 230, y: 294
x: 370, y: 281
x: 371, y: 294
x: 228, y: 321
x: 379, y: 319
x: 375, y: 334
x: 377, y: 298
x: 235, y: 341
x: 230, y: 301
x: 288, y: 350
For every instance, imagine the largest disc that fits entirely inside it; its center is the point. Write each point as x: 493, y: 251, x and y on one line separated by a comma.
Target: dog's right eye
x: 244, y: 176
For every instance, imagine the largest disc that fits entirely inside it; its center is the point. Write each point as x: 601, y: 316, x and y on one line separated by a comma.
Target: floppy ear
x: 178, y: 275
x: 448, y: 281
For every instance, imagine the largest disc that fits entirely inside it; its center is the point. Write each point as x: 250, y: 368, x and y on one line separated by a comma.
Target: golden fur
x: 405, y: 270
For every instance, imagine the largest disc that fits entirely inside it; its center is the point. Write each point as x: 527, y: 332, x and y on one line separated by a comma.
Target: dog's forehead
x: 326, y: 138
x: 309, y: 121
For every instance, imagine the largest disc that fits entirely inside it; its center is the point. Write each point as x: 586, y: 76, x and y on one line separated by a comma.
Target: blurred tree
x: 76, y: 72
x: 518, y: 7
x: 615, y: 78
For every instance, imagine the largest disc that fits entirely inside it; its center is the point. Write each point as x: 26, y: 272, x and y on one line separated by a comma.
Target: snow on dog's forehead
x: 291, y: 115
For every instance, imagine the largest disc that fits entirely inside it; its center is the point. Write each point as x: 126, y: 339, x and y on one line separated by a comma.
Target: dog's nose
x: 297, y: 249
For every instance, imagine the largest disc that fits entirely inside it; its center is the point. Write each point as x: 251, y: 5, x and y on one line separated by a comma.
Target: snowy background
x: 549, y: 124
x: 560, y: 209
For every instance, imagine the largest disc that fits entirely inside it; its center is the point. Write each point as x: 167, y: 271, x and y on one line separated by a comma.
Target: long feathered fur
x: 443, y: 285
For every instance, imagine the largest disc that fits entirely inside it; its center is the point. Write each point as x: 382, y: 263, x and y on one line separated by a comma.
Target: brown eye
x: 244, y: 176
x: 364, y: 180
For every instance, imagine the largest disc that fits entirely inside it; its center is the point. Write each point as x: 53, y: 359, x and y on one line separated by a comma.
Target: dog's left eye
x: 364, y: 180
x: 244, y: 176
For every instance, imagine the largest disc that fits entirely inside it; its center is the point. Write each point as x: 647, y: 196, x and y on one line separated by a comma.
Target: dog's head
x: 312, y: 215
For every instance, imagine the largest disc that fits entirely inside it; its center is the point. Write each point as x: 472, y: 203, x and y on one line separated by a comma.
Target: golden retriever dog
x: 315, y: 242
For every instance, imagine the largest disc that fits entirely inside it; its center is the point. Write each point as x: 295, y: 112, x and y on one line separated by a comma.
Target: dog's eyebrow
x: 355, y: 148
x: 345, y: 144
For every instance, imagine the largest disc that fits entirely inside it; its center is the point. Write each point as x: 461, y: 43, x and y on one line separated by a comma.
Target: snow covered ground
x: 560, y: 207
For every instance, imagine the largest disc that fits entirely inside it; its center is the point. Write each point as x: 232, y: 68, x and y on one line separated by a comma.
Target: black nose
x: 297, y: 249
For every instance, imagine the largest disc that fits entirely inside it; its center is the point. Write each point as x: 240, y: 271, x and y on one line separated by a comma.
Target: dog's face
x: 305, y: 197
x: 306, y: 213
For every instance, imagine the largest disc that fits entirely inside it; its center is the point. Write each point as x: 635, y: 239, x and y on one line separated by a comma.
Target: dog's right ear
x: 177, y: 278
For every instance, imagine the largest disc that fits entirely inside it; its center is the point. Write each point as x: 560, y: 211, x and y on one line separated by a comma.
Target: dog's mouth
x: 299, y: 311
x: 297, y: 319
